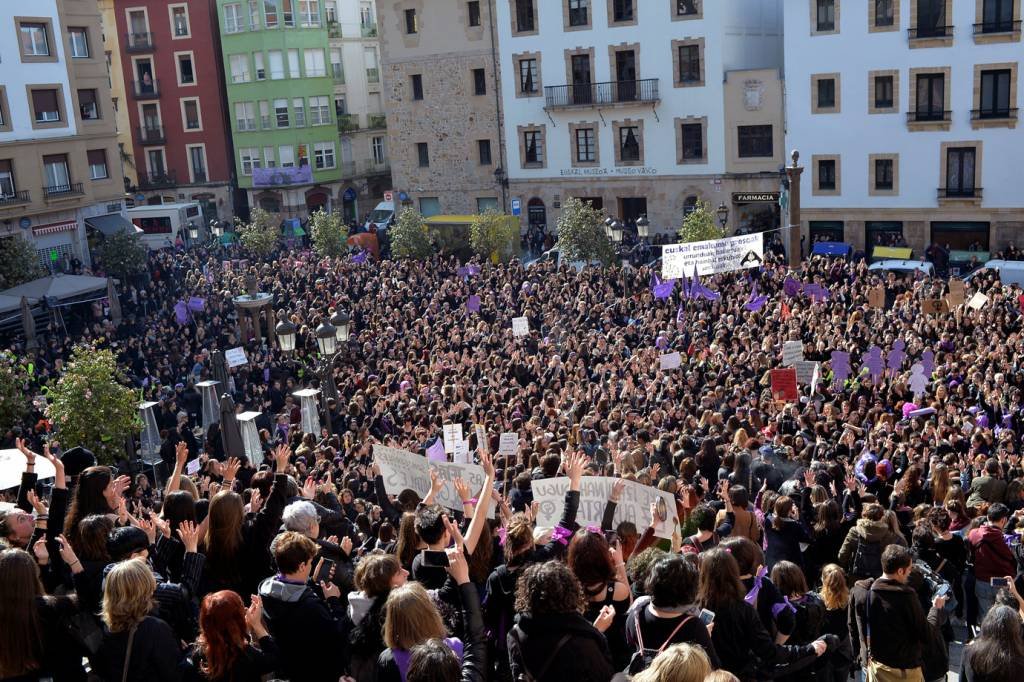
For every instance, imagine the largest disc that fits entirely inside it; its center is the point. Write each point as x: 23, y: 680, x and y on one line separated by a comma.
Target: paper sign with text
x: 805, y: 371
x: 452, y: 436
x: 235, y: 357
x: 670, y: 360
x: 634, y: 505
x: 784, y: 386
x: 977, y: 301
x: 792, y: 353
x: 404, y: 470
x: 520, y: 326
x: 508, y: 444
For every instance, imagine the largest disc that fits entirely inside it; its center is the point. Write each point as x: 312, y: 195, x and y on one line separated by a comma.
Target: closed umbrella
x: 28, y: 324
x: 115, y: 302
x: 230, y: 431
x: 220, y: 368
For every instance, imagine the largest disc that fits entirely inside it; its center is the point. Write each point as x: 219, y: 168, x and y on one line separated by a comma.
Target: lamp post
x: 794, y: 171
x: 723, y: 215
x: 643, y: 227
x: 331, y: 339
x: 193, y: 231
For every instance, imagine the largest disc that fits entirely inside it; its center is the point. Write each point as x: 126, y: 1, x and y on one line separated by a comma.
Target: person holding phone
x: 992, y: 557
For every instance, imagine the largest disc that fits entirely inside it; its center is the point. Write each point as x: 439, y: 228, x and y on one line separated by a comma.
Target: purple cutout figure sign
x: 840, y: 369
x: 473, y: 304
x: 181, y: 312
x: 928, y: 362
x: 896, y: 356
x: 874, y: 363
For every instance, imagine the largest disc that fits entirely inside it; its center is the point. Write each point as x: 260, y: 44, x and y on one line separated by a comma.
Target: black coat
x: 155, y: 654
x: 744, y: 645
x: 250, y: 666
x: 898, y: 625
x: 584, y: 657
x: 59, y: 654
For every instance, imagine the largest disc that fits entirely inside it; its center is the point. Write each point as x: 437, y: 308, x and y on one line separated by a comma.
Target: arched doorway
x: 269, y: 202
x: 316, y: 199
x: 536, y: 213
x: 690, y: 205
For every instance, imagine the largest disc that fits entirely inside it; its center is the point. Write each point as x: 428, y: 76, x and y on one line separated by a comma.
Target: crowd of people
x: 857, y: 530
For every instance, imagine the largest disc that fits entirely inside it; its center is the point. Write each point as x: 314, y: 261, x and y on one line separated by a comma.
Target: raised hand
x: 346, y: 545
x: 617, y: 488
x: 254, y: 617
x: 231, y: 469
x: 147, y: 526
x: 42, y: 554
x: 30, y: 457
x: 487, y: 462
x: 38, y: 505
x: 188, y: 531
x: 67, y: 553
x: 458, y: 567
x: 574, y: 463
x: 462, y: 489
x: 180, y: 455
x: 121, y: 484
x: 453, y: 530
x: 605, y: 618
x: 59, y: 481
x: 282, y: 455
x: 309, y: 488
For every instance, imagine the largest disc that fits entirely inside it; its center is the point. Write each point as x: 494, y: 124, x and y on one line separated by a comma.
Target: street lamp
x: 643, y: 227
x: 216, y: 229
x: 616, y: 231
x: 341, y: 322
x: 286, y: 332
x: 193, y: 230
x: 326, y: 338
x: 723, y: 214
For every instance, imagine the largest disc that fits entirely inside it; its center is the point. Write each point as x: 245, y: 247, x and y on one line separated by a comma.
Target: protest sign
x: 956, y: 293
x: 933, y: 306
x: 712, y: 256
x: 193, y: 467
x: 461, y: 451
x: 508, y: 443
x: 452, y: 436
x: 481, y: 437
x: 634, y: 505
x: 784, y: 385
x: 520, y: 326
x: 792, y: 353
x: 235, y: 357
x: 805, y: 371
x: 876, y: 297
x: 670, y: 360
x: 471, y: 474
x: 402, y: 470
x: 977, y: 301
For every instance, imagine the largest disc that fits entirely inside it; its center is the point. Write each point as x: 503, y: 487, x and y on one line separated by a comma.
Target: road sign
x: 517, y: 207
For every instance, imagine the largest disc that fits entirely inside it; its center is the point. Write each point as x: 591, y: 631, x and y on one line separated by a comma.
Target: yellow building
x: 112, y: 48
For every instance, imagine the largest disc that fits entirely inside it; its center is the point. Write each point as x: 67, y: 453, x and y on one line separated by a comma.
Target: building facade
x: 280, y: 102
x: 119, y: 100
x: 643, y: 108
x: 905, y: 114
x: 443, y: 101
x: 170, y: 65
x: 59, y: 159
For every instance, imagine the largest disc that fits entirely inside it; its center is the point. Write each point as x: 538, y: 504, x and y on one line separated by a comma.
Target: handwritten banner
x: 712, y: 256
x: 634, y: 505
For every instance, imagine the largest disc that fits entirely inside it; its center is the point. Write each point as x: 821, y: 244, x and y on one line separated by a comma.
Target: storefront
x: 755, y: 212
x: 882, y: 233
x: 826, y: 231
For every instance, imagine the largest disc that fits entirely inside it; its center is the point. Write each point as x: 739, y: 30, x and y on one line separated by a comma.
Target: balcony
x: 333, y: 29
x: 959, y: 193
x: 158, y: 180
x: 376, y: 122
x: 18, y: 197
x: 347, y: 123
x: 150, y: 134
x: 994, y: 114
x: 73, y: 189
x: 138, y: 42
x: 144, y: 90
x: 368, y: 30
x: 929, y: 116
x: 598, y: 94
x: 997, y: 26
x: 930, y: 32
x: 199, y: 176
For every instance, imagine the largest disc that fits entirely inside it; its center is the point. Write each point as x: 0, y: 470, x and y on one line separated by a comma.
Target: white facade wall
x: 358, y: 97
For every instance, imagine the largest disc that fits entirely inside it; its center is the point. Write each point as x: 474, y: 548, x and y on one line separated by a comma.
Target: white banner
x: 634, y: 505
x: 235, y: 357
x: 713, y: 256
x: 403, y: 470
x: 792, y: 353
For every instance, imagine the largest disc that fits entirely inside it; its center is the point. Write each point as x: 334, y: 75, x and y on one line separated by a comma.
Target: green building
x: 280, y: 95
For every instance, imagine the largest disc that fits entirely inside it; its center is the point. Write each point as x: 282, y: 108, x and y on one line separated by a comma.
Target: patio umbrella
x: 230, y: 430
x: 115, y: 302
x: 220, y: 368
x: 28, y: 324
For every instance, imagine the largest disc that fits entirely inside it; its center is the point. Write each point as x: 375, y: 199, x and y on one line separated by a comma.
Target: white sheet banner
x: 634, y: 505
x: 713, y: 256
x: 403, y: 470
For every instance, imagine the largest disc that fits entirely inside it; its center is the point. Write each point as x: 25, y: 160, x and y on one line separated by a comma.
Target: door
x: 150, y: 120
x: 144, y: 76
x: 625, y: 75
x: 632, y: 208
x: 581, y: 81
x: 536, y: 214
x: 156, y: 164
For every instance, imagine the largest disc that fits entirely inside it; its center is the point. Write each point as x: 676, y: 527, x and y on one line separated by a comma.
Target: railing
x: 245, y: 124
x: 959, y: 192
x: 151, y: 134
x: 158, y: 180
x: 138, y: 42
x: 997, y: 26
x: 368, y: 30
x: 18, y: 197
x: 333, y: 29
x: 149, y: 90
x: 347, y: 123
x: 591, y: 94
x: 998, y: 114
x: 70, y: 189
x: 924, y: 32
x: 373, y: 76
x: 929, y: 116
x: 376, y: 121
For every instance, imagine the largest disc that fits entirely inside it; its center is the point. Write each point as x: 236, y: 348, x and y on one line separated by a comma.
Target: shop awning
x: 111, y: 224
x: 898, y: 253
x: 55, y: 228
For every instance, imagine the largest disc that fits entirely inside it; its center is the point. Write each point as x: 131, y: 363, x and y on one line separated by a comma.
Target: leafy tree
x: 409, y: 238
x: 260, y: 235
x: 328, y: 232
x: 19, y: 262
x: 13, y: 401
x: 122, y: 254
x: 494, y: 235
x: 90, y: 406
x: 581, y: 233
x: 700, y: 225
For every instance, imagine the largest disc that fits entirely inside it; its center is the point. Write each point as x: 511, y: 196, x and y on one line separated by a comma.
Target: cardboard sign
x: 956, y: 292
x: 977, y: 301
x: 634, y: 505
x: 193, y: 467
x: 235, y: 357
x: 452, y: 436
x: 520, y: 326
x: 508, y: 444
x: 933, y: 306
x: 404, y: 470
x: 670, y: 361
x: 461, y: 452
x: 805, y: 371
x: 792, y: 353
x: 876, y: 297
x: 481, y: 436
x: 784, y: 384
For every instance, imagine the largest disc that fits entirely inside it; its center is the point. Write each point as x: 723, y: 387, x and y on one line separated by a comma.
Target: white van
x: 904, y: 267
x: 382, y: 217
x: 161, y: 224
x: 1010, y: 271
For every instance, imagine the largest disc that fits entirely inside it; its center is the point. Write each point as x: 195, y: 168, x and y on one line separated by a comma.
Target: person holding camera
x: 992, y: 557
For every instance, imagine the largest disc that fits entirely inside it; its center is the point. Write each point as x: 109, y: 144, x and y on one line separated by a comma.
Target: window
x: 483, y: 148
x: 268, y: 158
x: 88, y: 106
x: 261, y: 71
x: 281, y: 112
x: 826, y: 93
x: 287, y: 15
x: 192, y: 118
x: 474, y: 12
x: 578, y: 12
x: 7, y: 186
x: 270, y: 13
x: 309, y: 13
x: 884, y: 92
x: 319, y: 110
x: 97, y: 164
x: 686, y: 8
x: 622, y: 10
x: 827, y: 174
x: 46, y: 106
x: 186, y: 74
x: 411, y: 26
x: 245, y: 116
x: 197, y: 163
x: 377, y: 148
x: 250, y: 158
x: 960, y: 172
x: 79, y: 39
x: 528, y: 76
x: 689, y: 64
x: 34, y: 40
x: 995, y: 94
x: 931, y: 89
x: 155, y: 163
x: 417, y: 86
x: 239, y: 68
x: 337, y: 69
x: 370, y: 59
x: 265, y: 114
x: 693, y: 141
x: 533, y: 146
x: 293, y: 64
x: 997, y: 16
x: 154, y: 225
x: 233, y: 22
x: 55, y: 170
x: 5, y: 119
x: 826, y: 16
x: 484, y: 204
x: 254, y: 14
x: 884, y: 13
x: 526, y: 20
x: 276, y: 58
x: 754, y: 141
x: 931, y: 18
x: 479, y: 82
x: 323, y: 155
x: 299, y: 107
x: 884, y: 174
x: 586, y: 145
x: 629, y: 143
x: 423, y: 154
x: 430, y: 206
x: 315, y: 64
x: 286, y: 155
x: 179, y: 21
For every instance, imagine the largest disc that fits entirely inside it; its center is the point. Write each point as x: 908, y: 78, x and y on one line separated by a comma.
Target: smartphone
x: 707, y: 617
x: 324, y: 574
x: 943, y: 590
x: 434, y: 558
x: 611, y: 536
x: 999, y: 582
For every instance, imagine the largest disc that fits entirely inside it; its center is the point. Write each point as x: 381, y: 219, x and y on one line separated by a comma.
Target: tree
x: 13, y: 401
x: 700, y: 225
x: 19, y: 262
x: 493, y: 235
x: 581, y: 235
x: 122, y: 254
x: 260, y: 235
x: 409, y: 236
x: 328, y: 232
x: 90, y: 406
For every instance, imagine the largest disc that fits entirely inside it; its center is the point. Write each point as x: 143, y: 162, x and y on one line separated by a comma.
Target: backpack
x: 643, y: 657
x: 515, y: 651
x: 867, y: 560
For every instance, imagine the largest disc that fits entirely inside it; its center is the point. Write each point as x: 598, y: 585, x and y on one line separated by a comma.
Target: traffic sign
x: 517, y: 207
x: 389, y: 195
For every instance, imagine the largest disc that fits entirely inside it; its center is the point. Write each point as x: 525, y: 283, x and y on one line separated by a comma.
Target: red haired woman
x: 223, y: 650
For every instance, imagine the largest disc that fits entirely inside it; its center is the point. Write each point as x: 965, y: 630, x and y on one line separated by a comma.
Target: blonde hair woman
x: 136, y: 646
x: 835, y: 594
x: 678, y: 663
x: 410, y: 618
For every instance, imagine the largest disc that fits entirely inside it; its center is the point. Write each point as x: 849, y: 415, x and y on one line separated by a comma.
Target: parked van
x: 382, y: 217
x: 904, y: 267
x: 161, y: 224
x: 1010, y: 271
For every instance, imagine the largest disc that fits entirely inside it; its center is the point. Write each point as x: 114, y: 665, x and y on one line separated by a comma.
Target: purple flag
x: 816, y: 292
x: 695, y: 284
x: 181, y: 312
x: 473, y: 270
x: 755, y: 303
x: 196, y: 304
x: 435, y: 453
x: 791, y: 287
x: 473, y: 304
x: 360, y: 257
x: 681, y: 313
x: 664, y: 289
x: 462, y: 272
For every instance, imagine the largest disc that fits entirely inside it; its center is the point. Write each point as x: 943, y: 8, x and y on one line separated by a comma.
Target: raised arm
x: 180, y: 457
x: 483, y: 505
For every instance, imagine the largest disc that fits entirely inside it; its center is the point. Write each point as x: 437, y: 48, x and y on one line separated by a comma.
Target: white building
x: 643, y: 107
x: 905, y: 116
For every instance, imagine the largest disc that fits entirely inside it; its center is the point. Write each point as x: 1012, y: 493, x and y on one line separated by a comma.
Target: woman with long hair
x: 997, y: 655
x: 93, y: 533
x: 97, y: 492
x: 784, y: 535
x: 678, y: 663
x: 375, y: 576
x: 938, y: 484
x: 133, y: 638
x: 35, y: 640
x: 835, y: 595
x: 410, y: 619
x: 223, y: 650
x: 602, y: 573
x: 827, y: 534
